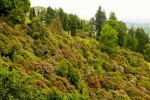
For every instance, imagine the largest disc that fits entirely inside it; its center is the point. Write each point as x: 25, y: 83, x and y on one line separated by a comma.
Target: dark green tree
x: 142, y: 38
x: 72, y: 24
x: 61, y: 15
x: 31, y: 14
x: 65, y: 23
x: 147, y: 52
x: 100, y: 18
x: 34, y: 15
x: 131, y: 41
x: 112, y: 16
x: 15, y: 10
x: 51, y: 14
x: 7, y: 6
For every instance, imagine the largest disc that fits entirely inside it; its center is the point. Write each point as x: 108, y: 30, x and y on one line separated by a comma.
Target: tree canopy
x: 108, y: 39
x: 7, y: 6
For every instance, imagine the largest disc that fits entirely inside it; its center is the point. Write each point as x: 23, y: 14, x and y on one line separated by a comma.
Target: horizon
x: 126, y: 11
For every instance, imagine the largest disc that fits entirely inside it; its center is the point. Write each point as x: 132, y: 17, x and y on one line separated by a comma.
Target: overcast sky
x: 126, y: 10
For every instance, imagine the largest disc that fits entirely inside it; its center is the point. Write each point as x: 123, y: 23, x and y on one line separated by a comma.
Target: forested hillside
x: 52, y: 55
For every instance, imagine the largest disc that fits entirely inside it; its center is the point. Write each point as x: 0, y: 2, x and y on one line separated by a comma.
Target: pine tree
x: 142, y: 38
x: 100, y: 19
x: 33, y: 11
x: 72, y: 24
x: 31, y: 14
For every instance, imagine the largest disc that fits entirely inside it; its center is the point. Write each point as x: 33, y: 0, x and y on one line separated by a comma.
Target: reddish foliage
x: 138, y: 77
x: 66, y: 53
x: 105, y: 83
x: 96, y: 84
x: 93, y: 82
x: 40, y: 84
x: 126, y: 70
x: 49, y: 84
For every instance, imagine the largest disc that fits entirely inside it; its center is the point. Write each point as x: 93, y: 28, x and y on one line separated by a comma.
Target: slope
x: 45, y: 63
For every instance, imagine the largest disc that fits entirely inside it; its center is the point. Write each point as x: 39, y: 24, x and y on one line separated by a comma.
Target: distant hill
x: 145, y: 26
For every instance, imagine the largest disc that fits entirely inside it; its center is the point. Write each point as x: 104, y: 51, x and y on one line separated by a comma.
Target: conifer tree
x: 142, y: 38
x: 100, y: 18
x: 33, y: 12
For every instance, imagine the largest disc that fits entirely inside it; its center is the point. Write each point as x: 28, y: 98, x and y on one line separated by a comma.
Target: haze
x: 126, y: 10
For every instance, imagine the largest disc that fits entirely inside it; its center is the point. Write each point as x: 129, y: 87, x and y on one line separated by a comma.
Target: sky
x: 126, y: 10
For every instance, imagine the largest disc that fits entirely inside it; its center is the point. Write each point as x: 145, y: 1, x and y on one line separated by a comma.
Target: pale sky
x: 126, y: 10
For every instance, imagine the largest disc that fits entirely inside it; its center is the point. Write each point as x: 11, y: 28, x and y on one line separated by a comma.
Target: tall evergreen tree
x: 51, y: 14
x: 33, y: 12
x: 72, y: 24
x: 65, y: 22
x: 131, y: 42
x: 147, y: 52
x: 100, y: 18
x: 142, y: 38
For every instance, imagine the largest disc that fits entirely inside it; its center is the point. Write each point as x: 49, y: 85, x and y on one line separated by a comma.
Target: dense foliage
x: 15, y: 10
x: 38, y: 64
x: 39, y: 60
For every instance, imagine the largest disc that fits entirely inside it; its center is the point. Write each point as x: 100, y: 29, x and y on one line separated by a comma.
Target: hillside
x: 39, y: 62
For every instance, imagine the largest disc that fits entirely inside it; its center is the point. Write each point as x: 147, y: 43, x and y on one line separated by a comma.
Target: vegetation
x: 46, y: 58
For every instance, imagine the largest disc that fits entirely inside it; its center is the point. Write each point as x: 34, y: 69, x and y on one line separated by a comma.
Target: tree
x: 51, y: 14
x: 108, y: 39
x: 15, y: 10
x: 72, y: 24
x: 41, y: 12
x: 65, y: 23
x: 121, y: 28
x: 131, y: 41
x: 147, y: 52
x: 16, y: 16
x: 100, y: 18
x: 34, y: 15
x: 7, y: 6
x: 112, y: 16
x: 142, y: 38
x: 56, y: 26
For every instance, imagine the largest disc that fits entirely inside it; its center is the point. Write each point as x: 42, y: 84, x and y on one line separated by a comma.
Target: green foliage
x: 112, y: 16
x: 15, y: 10
x: 16, y: 16
x: 108, y: 39
x: 121, y: 28
x: 39, y: 62
x: 56, y: 26
x: 51, y: 14
x: 55, y: 95
x: 142, y: 38
x: 147, y: 52
x: 100, y: 18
